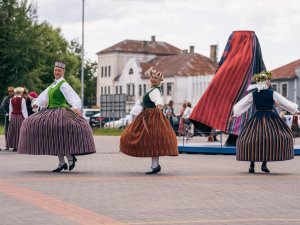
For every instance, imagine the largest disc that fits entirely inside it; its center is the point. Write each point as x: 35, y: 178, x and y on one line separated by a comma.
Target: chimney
x: 213, y: 53
x: 192, y: 48
x: 153, y: 38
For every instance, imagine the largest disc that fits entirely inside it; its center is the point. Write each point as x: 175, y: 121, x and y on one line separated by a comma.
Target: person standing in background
x: 4, y: 108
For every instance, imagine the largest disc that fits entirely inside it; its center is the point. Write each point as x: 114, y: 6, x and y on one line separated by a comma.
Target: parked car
x: 97, y: 121
x: 120, y: 124
x: 87, y: 113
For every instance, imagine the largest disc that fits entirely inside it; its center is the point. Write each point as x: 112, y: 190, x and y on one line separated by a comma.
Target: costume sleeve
x: 10, y: 110
x: 155, y: 96
x: 243, y: 105
x: 71, y: 96
x: 284, y: 103
x: 42, y: 100
x: 24, y: 108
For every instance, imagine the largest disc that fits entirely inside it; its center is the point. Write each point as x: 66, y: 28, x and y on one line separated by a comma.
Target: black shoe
x: 6, y: 149
x: 251, y: 170
x: 60, y: 168
x: 154, y: 170
x: 71, y: 167
x: 265, y: 169
x: 14, y: 149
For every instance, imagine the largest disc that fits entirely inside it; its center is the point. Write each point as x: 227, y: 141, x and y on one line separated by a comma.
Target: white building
x: 122, y: 67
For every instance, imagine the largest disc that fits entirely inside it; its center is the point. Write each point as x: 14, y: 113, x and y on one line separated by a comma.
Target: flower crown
x: 155, y: 73
x: 262, y: 76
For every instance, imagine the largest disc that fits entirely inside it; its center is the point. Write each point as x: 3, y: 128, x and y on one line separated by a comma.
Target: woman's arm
x: 243, y: 105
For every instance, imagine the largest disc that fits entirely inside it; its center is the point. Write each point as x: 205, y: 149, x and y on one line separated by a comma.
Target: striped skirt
x: 265, y: 137
x: 56, y: 131
x: 150, y: 134
x: 13, y: 132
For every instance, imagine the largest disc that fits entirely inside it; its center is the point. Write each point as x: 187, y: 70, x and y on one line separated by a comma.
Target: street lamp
x: 82, y: 59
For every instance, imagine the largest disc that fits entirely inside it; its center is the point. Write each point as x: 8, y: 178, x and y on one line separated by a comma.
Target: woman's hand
x: 77, y: 111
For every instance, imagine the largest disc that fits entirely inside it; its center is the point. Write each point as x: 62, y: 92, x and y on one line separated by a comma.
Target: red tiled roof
x: 286, y: 71
x: 146, y: 47
x: 188, y: 64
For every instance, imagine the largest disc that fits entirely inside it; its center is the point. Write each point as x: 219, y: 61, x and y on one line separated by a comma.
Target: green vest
x: 56, y: 97
x: 147, y: 103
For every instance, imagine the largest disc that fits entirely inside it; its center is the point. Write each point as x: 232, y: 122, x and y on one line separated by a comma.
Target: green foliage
x: 28, y: 50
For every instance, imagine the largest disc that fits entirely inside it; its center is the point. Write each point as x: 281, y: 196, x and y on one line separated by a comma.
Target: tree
x: 28, y: 49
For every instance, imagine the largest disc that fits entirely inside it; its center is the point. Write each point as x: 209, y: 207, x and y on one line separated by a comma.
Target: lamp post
x: 82, y: 60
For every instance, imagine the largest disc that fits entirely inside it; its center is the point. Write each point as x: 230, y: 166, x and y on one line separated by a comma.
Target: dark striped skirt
x: 150, y: 134
x: 56, y: 131
x: 14, y: 128
x: 265, y: 137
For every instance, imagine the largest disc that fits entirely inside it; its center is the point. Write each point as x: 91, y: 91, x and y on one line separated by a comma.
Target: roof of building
x: 145, y: 47
x: 286, y: 71
x: 186, y: 64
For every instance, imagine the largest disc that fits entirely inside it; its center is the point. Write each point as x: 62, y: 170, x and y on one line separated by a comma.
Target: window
x: 162, y: 89
x: 128, y: 89
x: 108, y: 90
x: 102, y: 71
x: 109, y: 71
x: 121, y: 92
x: 140, y: 90
x: 145, y: 88
x: 117, y: 89
x: 105, y: 90
x: 130, y: 71
x: 105, y: 71
x: 275, y: 87
x: 284, y: 89
x: 169, y: 88
x: 101, y: 90
x: 131, y: 89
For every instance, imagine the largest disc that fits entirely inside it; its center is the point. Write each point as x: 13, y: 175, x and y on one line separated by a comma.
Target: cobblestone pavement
x: 109, y: 188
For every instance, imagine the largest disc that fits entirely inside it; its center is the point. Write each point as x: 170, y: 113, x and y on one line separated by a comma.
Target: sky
x: 181, y: 23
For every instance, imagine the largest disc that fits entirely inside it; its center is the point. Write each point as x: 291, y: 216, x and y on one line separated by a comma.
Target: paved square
x: 111, y: 188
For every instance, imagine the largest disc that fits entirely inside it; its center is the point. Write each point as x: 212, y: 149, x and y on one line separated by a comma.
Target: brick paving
x: 111, y: 188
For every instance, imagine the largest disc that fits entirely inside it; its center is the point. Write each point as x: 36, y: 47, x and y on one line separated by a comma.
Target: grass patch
x: 107, y: 132
x: 96, y: 131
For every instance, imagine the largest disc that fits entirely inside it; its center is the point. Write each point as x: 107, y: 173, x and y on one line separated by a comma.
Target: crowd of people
x: 16, y: 107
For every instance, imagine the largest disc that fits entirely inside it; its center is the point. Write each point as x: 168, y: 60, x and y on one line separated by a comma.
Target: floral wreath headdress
x: 262, y: 76
x: 155, y: 73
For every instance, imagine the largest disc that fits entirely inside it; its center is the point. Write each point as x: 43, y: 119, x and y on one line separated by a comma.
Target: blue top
x: 263, y: 100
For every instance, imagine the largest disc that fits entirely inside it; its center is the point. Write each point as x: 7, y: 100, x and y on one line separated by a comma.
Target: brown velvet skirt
x: 150, y: 134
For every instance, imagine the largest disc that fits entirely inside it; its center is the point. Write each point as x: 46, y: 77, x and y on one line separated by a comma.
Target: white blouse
x: 155, y: 96
x: 187, y: 113
x: 245, y: 103
x: 71, y: 96
x: 23, y: 107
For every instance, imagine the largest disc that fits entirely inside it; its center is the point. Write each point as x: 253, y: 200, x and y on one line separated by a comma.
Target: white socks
x: 61, y: 159
x: 155, y: 162
x: 70, y: 159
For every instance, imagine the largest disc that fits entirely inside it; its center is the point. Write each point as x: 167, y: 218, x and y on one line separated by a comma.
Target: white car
x: 87, y: 113
x: 120, y: 124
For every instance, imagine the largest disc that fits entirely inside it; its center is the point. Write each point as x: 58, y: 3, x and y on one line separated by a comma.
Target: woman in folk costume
x: 265, y: 137
x: 58, y: 129
x: 241, y: 59
x: 150, y: 134
x: 17, y: 113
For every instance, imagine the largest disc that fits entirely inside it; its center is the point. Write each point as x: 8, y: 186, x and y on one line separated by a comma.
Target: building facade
x: 122, y: 68
x: 286, y: 81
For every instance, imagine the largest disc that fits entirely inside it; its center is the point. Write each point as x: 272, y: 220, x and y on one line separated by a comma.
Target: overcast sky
x: 181, y: 23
